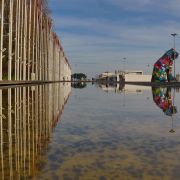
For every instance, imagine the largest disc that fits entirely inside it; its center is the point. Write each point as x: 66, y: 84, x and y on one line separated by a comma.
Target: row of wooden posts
x: 29, y: 48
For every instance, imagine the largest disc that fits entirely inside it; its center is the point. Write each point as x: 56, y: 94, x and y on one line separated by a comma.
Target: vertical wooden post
x: 17, y: 40
x: 33, y: 39
x: 10, y: 40
x: 18, y: 60
x: 25, y: 40
x: 29, y: 38
x: 37, y: 45
x: 46, y: 48
x: 21, y: 38
x: 40, y: 42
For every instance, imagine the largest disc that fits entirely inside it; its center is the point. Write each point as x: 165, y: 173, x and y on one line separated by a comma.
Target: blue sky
x: 98, y: 34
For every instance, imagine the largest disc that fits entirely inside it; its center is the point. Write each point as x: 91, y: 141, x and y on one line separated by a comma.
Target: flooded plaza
x: 86, y: 131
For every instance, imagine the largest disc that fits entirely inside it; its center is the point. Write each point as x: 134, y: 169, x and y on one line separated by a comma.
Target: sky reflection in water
x: 108, y: 135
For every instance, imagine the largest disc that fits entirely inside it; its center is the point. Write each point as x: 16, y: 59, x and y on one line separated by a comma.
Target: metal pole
x: 174, y: 35
x: 124, y: 64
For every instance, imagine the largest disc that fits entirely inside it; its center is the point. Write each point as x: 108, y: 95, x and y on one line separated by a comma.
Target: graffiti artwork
x: 162, y: 71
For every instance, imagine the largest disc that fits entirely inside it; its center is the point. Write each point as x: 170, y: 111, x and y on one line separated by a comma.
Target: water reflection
x: 98, y: 138
x: 78, y: 85
x: 123, y: 88
x: 164, y: 98
x: 108, y: 87
x: 27, y: 118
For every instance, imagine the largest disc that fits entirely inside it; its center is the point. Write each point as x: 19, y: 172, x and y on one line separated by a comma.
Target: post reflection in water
x: 27, y: 117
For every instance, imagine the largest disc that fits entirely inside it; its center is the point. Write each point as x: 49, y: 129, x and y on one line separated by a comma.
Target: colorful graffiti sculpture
x: 162, y: 71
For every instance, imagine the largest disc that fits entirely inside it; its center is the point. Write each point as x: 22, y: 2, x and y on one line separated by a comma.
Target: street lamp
x: 76, y: 72
x: 174, y: 35
x: 124, y: 64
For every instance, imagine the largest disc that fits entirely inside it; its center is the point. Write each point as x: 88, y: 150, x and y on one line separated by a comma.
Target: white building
x: 127, y: 76
x: 137, y: 76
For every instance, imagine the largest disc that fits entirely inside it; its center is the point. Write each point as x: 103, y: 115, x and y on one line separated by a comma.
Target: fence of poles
x: 29, y: 48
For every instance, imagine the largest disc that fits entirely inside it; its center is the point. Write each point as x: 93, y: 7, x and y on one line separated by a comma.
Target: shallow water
x: 97, y: 132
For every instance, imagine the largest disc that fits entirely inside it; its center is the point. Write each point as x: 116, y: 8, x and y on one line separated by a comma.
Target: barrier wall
x: 29, y: 48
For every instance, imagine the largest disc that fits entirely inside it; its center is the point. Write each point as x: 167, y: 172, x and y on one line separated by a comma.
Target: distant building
x: 106, y: 74
x: 137, y: 76
x: 127, y: 76
x: 178, y: 77
x: 139, y: 72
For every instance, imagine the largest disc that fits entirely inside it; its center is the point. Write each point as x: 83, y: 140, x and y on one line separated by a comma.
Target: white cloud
x: 109, y: 32
x: 141, y: 45
x: 168, y: 7
x: 108, y: 41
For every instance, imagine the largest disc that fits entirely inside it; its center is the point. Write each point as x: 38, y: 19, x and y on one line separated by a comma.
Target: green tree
x: 78, y: 76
